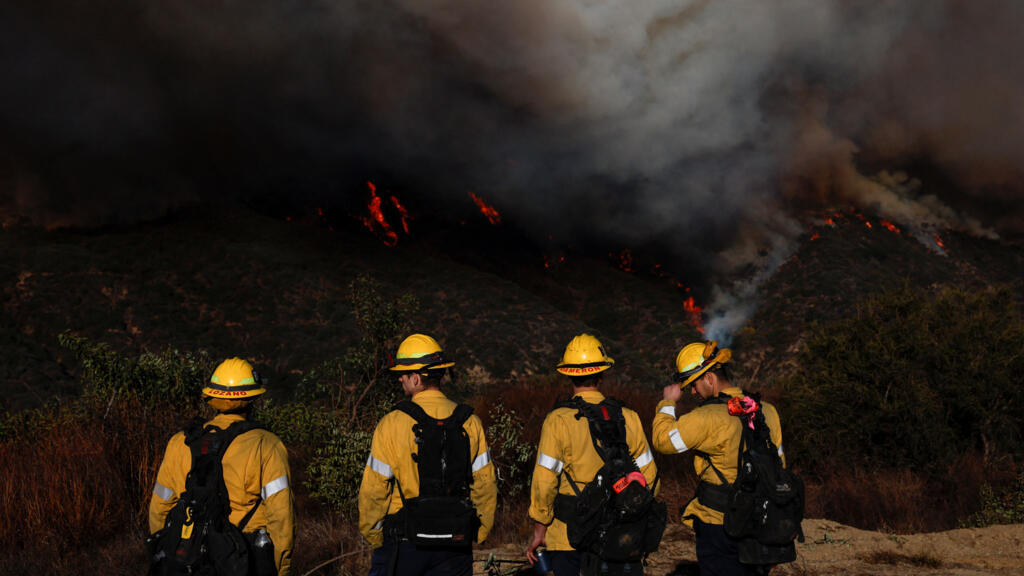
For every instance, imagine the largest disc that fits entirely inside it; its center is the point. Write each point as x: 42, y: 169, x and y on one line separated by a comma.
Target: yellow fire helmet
x: 419, y: 352
x: 584, y: 356
x: 234, y: 379
x: 697, y: 358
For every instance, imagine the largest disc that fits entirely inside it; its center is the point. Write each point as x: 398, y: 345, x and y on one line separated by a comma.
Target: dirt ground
x: 832, y: 548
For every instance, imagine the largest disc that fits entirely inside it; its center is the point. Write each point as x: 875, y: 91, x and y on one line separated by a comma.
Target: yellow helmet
x: 234, y: 379
x: 584, y: 356
x: 697, y: 358
x: 419, y: 352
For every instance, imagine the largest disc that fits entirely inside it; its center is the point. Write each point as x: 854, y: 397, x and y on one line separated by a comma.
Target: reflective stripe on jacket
x: 565, y: 444
x: 712, y: 430
x: 255, y: 464
x: 391, y: 459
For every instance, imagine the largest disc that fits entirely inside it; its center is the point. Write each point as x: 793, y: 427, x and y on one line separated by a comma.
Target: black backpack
x: 442, y: 515
x: 764, y: 507
x: 615, y: 517
x: 197, y: 537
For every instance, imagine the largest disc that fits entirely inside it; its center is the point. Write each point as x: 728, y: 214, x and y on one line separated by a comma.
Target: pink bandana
x: 740, y: 405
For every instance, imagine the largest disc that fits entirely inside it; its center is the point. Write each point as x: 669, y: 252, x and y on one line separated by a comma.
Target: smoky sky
x: 716, y: 126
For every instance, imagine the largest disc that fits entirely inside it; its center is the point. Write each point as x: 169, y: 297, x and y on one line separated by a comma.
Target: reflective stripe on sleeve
x: 378, y: 525
x: 274, y: 486
x: 780, y: 449
x: 553, y: 464
x: 677, y: 440
x: 379, y: 467
x: 670, y: 410
x: 163, y: 492
x: 644, y: 459
x: 481, y: 461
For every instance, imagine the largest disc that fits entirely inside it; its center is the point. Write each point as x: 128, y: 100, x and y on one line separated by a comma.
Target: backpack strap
x: 722, y: 398
x: 248, y: 515
x: 457, y: 418
x: 415, y: 410
x: 460, y: 415
x: 574, y: 403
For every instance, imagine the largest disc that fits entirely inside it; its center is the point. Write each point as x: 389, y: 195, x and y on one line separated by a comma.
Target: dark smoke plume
x: 714, y: 127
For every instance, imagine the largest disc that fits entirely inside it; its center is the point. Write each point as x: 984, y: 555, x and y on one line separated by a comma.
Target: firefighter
x: 566, y: 449
x: 394, y: 474
x: 714, y: 436
x: 255, y: 465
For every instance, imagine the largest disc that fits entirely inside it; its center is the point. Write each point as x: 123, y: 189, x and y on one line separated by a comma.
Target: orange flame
x: 939, y: 242
x: 815, y: 236
x: 693, y: 314
x: 402, y: 213
x: 376, y: 218
x: 830, y: 221
x: 486, y: 209
x: 625, y: 260
x: 890, y: 226
x: 868, y: 224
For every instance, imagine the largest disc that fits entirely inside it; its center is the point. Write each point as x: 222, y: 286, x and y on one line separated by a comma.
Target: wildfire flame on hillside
x: 624, y: 260
x: 376, y: 222
x: 403, y: 214
x: 489, y: 212
x: 693, y: 314
x: 890, y: 226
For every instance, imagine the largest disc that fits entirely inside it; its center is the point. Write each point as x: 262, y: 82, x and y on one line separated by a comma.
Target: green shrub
x: 296, y: 423
x: 915, y: 379
x: 171, y: 378
x: 999, y: 507
x: 511, y: 454
x: 337, y: 470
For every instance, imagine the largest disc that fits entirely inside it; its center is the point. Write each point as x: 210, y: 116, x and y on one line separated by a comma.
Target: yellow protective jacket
x: 391, y: 453
x: 565, y: 444
x: 711, y: 430
x: 255, y: 464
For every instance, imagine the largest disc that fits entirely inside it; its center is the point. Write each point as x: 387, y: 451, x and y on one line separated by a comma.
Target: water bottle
x: 263, y: 554
x: 262, y: 539
x: 543, y: 565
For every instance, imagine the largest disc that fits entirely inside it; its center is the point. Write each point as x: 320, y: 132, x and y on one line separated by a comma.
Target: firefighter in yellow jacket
x: 714, y: 435
x: 392, y: 476
x: 255, y: 465
x: 566, y: 449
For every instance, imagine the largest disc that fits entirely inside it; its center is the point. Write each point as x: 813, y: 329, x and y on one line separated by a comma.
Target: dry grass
x: 894, y: 558
x: 321, y: 538
x: 897, y: 500
x: 60, y: 489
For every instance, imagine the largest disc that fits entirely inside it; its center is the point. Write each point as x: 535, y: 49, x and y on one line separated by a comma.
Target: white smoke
x: 710, y: 125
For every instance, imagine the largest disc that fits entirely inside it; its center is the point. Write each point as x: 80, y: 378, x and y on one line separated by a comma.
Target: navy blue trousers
x: 412, y: 561
x: 717, y: 554
x: 572, y: 563
x: 565, y: 562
